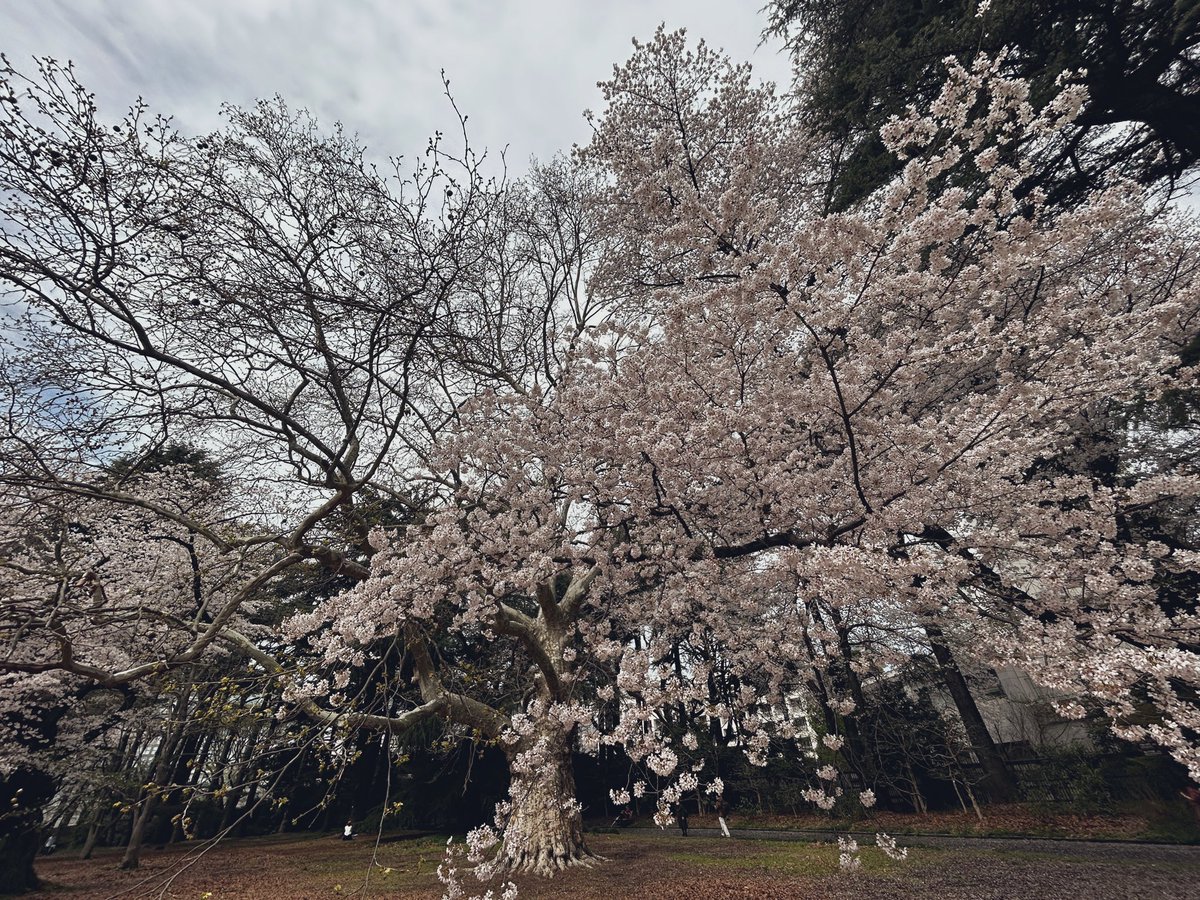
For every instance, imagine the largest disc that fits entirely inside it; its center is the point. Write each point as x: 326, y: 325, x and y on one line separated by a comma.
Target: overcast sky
x: 522, y: 70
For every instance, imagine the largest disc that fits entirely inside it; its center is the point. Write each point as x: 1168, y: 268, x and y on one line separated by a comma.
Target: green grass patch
x: 792, y: 859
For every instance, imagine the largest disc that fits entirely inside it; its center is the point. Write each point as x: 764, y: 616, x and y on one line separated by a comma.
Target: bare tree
x: 267, y: 295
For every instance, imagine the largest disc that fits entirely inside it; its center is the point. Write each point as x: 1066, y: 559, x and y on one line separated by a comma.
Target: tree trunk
x: 857, y: 750
x: 89, y: 845
x: 1000, y: 782
x: 917, y: 797
x: 544, y: 831
x: 164, y: 758
x: 238, y: 772
x: 23, y: 793
x: 133, y: 850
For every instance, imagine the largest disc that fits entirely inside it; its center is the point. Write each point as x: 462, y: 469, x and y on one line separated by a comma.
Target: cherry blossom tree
x: 855, y: 410
x: 770, y: 423
x: 266, y: 294
x: 100, y: 586
x: 904, y: 233
x: 262, y: 293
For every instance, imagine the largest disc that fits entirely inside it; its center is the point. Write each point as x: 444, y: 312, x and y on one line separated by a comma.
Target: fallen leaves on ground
x: 665, y: 868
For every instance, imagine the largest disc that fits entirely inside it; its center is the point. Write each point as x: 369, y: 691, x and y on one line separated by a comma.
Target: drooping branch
x: 193, y: 651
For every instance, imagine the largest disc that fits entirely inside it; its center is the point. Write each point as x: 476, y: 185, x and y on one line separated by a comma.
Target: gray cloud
x: 523, y: 70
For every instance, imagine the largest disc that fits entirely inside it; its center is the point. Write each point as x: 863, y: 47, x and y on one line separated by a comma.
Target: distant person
x: 721, y: 816
x: 348, y: 831
x: 50, y: 846
x: 683, y: 817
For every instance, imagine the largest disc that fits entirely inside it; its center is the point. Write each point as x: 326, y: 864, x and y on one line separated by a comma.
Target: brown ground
x: 663, y: 866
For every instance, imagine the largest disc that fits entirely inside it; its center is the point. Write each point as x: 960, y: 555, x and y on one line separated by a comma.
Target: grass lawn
x: 1152, y: 822
x: 662, y: 867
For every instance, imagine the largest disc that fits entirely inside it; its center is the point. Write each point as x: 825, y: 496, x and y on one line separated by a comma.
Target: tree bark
x: 133, y: 850
x: 544, y: 831
x: 89, y: 845
x: 1000, y: 782
x: 23, y: 793
x: 162, y: 769
x: 239, y: 772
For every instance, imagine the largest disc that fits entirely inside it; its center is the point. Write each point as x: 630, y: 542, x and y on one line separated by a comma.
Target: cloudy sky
x: 522, y: 70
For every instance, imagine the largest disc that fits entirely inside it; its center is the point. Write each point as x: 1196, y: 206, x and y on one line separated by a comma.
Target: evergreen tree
x: 860, y: 62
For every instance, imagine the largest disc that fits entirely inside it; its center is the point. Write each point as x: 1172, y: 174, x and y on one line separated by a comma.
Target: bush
x: 1071, y: 779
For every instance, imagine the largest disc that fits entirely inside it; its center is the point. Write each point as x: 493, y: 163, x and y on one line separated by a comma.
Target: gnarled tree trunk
x: 544, y: 831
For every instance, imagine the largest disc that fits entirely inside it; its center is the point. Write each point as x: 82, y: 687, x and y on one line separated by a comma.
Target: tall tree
x: 261, y: 293
x: 266, y: 295
x: 861, y: 62
x: 807, y: 399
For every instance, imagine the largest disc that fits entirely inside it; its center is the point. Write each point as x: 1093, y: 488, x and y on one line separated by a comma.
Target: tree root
x: 547, y: 862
